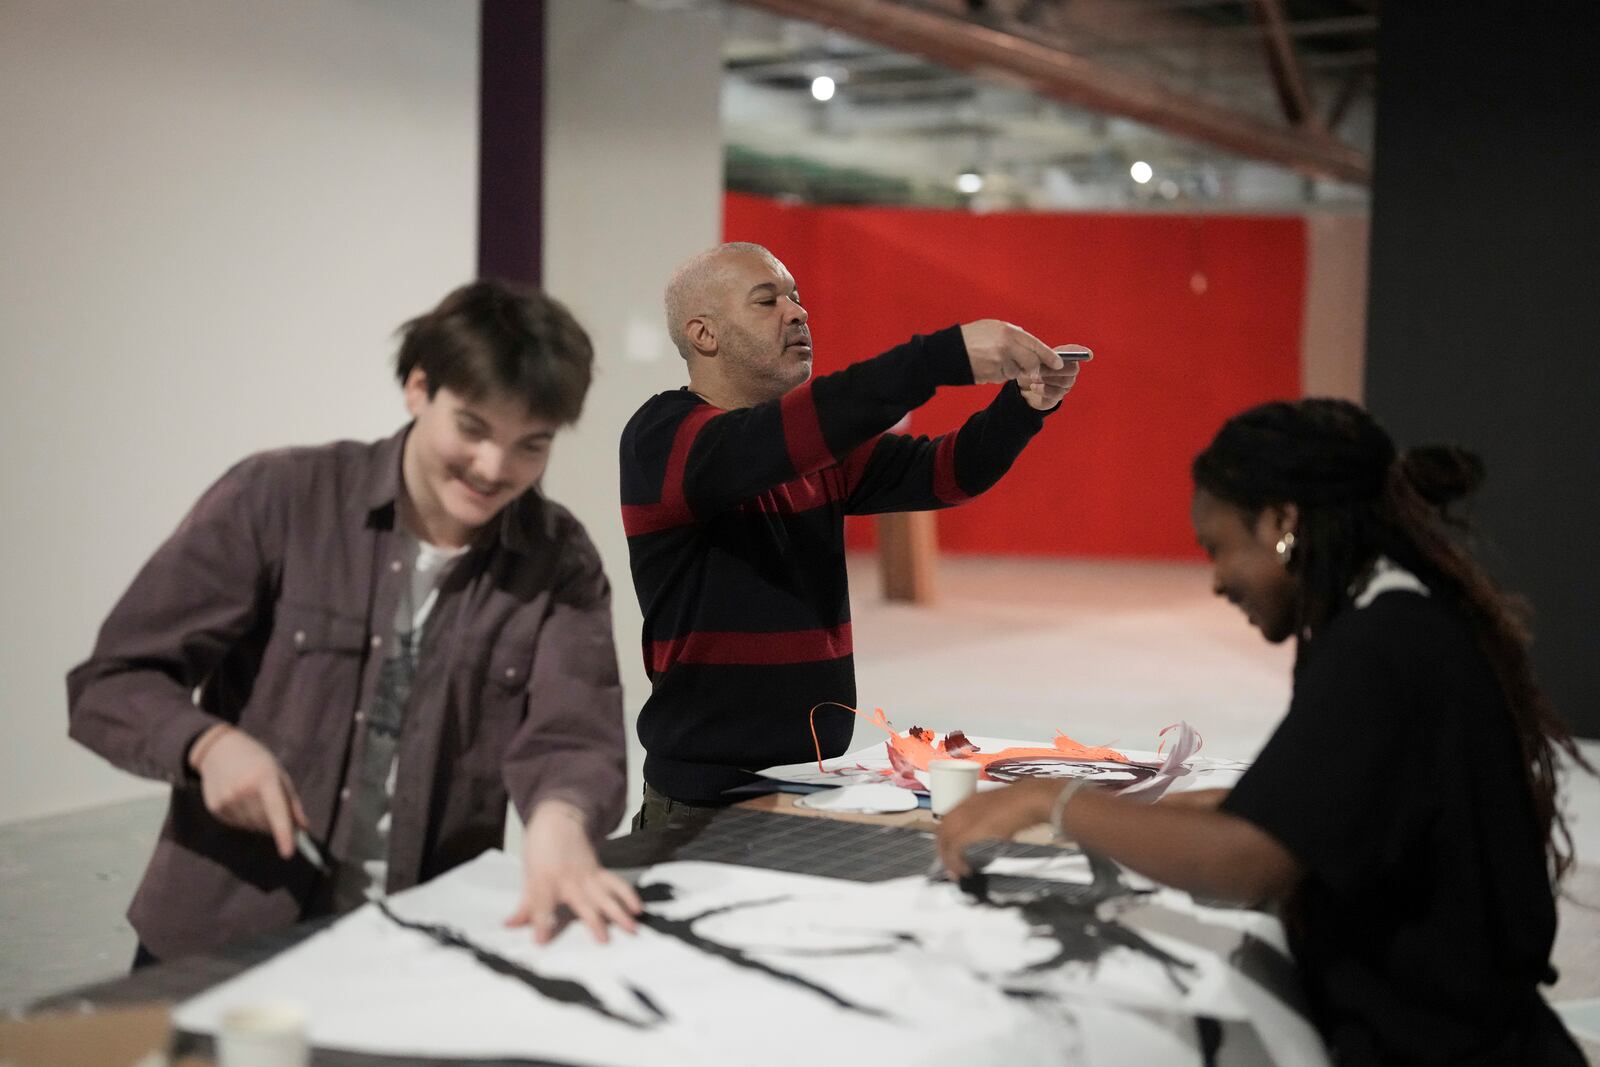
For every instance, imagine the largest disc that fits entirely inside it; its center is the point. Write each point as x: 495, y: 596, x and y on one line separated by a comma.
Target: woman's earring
x: 1285, y: 547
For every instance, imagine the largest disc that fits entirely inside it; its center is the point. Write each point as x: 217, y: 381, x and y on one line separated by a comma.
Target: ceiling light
x: 822, y: 87
x: 969, y: 182
x: 1141, y: 172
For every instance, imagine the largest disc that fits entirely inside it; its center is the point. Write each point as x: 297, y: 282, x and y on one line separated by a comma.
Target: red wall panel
x: 1108, y: 476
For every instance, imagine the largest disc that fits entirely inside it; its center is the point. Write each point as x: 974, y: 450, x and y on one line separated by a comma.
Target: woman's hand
x: 992, y: 816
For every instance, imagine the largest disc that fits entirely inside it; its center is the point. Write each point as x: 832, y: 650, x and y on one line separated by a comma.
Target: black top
x: 735, y: 523
x: 1425, y: 920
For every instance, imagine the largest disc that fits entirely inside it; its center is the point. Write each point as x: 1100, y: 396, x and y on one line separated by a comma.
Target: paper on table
x: 867, y: 797
x: 1072, y: 867
x: 732, y: 952
x: 870, y: 763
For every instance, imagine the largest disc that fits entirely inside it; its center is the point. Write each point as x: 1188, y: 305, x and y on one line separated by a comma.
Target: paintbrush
x: 308, y: 849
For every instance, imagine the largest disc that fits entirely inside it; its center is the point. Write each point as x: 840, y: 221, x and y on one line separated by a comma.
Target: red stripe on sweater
x: 855, y: 464
x: 678, y: 459
x: 738, y: 648
x: 639, y: 519
x: 945, y: 486
x: 802, y: 432
x: 673, y: 508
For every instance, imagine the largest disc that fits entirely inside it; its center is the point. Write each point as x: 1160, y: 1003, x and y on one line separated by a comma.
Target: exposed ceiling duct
x: 970, y: 46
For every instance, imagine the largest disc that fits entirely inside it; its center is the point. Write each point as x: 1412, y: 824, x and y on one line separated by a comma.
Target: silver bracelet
x: 1058, y: 809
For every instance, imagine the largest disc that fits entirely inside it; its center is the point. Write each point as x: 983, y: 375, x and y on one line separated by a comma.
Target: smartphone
x: 1066, y: 352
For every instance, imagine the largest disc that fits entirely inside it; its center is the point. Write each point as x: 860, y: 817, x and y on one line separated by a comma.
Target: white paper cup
x: 264, y: 1034
x: 950, y: 781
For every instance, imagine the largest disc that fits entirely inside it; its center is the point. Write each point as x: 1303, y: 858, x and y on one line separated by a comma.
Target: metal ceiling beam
x: 1072, y: 78
x: 1287, y: 77
x: 1354, y: 83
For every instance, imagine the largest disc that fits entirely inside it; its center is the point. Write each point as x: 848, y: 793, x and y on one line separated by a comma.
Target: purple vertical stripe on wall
x: 511, y: 140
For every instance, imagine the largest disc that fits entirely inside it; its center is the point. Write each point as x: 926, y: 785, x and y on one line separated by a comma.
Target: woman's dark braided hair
x: 1358, y: 499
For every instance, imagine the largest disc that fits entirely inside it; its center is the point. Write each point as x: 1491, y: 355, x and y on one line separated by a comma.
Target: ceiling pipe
x: 1076, y: 80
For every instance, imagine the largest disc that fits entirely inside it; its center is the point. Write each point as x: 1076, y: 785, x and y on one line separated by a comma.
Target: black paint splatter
x: 1082, y: 936
x: 683, y: 930
x: 563, y: 990
x: 1072, y: 920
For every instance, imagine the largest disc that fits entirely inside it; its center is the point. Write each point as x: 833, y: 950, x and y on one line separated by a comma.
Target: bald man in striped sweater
x: 734, y: 493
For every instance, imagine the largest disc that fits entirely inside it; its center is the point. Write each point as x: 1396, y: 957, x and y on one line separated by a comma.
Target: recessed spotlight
x: 969, y: 183
x: 822, y: 87
x: 1168, y: 189
x: 1141, y: 172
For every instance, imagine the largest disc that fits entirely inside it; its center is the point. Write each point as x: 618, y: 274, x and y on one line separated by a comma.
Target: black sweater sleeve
x: 896, y: 472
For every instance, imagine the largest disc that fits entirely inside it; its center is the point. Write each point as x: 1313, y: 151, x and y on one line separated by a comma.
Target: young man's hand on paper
x: 559, y: 868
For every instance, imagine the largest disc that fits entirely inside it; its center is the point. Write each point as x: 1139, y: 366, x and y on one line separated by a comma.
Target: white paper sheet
x: 793, y: 969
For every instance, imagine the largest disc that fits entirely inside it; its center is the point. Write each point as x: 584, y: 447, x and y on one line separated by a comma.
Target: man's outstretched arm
x: 683, y: 459
x: 896, y: 472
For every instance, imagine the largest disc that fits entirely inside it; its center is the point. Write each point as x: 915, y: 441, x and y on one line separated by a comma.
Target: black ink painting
x: 562, y: 990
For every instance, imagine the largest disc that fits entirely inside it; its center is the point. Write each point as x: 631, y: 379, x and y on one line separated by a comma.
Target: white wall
x: 633, y: 184
x: 213, y: 214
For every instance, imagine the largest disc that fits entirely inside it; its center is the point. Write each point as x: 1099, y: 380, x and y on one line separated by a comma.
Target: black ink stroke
x: 1071, y: 919
x: 562, y: 990
x: 683, y: 930
x: 893, y: 942
x: 1082, y: 936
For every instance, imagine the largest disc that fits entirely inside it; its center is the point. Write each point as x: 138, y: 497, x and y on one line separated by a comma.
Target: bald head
x: 700, y: 285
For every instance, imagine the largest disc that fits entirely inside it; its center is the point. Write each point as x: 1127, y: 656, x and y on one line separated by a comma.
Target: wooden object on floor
x: 908, y: 553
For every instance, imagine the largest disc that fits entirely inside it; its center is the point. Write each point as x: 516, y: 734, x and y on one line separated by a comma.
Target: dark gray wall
x: 511, y: 141
x: 1484, y: 313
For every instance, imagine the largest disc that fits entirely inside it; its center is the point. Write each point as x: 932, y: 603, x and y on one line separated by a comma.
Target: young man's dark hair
x: 491, y: 335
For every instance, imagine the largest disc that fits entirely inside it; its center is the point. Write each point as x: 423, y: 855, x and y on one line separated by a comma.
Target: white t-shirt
x: 363, y: 874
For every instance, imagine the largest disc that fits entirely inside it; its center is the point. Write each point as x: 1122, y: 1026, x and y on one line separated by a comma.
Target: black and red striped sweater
x: 735, y: 524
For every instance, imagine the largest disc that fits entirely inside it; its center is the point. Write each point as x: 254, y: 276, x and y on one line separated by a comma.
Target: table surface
x: 767, y: 832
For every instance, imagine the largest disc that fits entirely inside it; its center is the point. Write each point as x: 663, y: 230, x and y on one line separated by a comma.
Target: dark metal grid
x: 860, y: 852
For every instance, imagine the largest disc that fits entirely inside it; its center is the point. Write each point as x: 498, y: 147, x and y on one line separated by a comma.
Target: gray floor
x: 1110, y: 653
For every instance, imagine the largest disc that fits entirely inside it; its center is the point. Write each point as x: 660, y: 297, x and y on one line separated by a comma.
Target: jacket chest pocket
x: 310, y: 630
x: 304, y: 702
x: 503, y: 694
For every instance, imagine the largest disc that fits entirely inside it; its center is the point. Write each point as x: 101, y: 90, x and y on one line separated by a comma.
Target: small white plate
x: 869, y: 798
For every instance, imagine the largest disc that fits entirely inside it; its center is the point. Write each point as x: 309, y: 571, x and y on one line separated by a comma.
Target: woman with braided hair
x: 1404, y: 813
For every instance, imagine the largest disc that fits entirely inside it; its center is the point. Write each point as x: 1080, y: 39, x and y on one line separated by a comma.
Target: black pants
x: 661, y: 812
